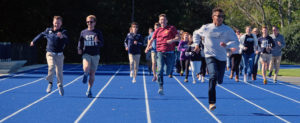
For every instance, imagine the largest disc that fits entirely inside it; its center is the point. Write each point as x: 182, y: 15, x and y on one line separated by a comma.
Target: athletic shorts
x: 92, y: 60
x: 265, y: 57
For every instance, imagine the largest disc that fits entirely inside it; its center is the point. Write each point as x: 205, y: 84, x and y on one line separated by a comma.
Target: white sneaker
x: 194, y: 82
x: 133, y: 80
x: 202, y: 79
x: 61, y: 90
x: 49, y: 88
x: 161, y: 91
x: 245, y: 78
x: 131, y: 73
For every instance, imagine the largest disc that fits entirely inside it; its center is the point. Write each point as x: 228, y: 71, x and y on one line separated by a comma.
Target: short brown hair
x: 57, y: 18
x: 162, y: 15
x: 134, y: 23
x: 248, y: 27
x: 93, y: 17
x: 217, y: 10
x: 264, y: 27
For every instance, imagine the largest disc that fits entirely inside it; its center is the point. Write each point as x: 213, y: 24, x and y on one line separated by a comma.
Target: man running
x: 165, y: 36
x: 217, y: 38
x: 89, y: 44
x: 56, y: 41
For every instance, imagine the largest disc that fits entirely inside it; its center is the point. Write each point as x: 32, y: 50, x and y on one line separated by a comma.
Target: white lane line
x: 282, y: 83
x: 35, y: 102
x: 275, y: 93
x: 97, y: 96
x: 209, y: 112
x: 146, y: 98
x: 15, y: 75
x: 20, y: 74
x: 255, y: 104
x: 21, y: 85
x: 288, y: 85
x: 26, y: 83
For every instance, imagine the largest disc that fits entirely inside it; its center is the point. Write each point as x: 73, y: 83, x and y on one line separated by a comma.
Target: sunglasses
x: 219, y: 16
x: 90, y: 22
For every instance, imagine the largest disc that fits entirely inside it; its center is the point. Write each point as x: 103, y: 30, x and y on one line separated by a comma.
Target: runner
x: 165, y: 36
x: 133, y: 44
x: 89, y: 44
x: 217, y: 38
x: 56, y: 41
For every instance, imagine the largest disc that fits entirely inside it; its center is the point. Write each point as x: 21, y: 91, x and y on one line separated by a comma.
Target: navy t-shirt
x: 129, y: 42
x: 54, y: 43
x: 249, y: 43
x: 87, y: 41
x: 264, y: 42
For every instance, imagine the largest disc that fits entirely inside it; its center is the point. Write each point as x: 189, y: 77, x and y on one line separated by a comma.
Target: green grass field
x: 287, y: 72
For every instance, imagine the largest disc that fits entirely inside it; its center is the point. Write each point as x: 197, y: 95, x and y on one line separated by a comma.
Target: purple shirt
x: 182, y: 46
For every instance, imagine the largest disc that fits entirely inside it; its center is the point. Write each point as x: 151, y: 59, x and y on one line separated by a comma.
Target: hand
x: 126, y: 48
x: 31, y: 44
x: 278, y: 42
x: 256, y: 52
x: 59, y: 34
x: 245, y: 48
x: 135, y: 42
x: 79, y: 52
x: 222, y: 44
x: 197, y: 49
x: 233, y: 49
x: 169, y: 41
x: 146, y: 50
x: 96, y: 39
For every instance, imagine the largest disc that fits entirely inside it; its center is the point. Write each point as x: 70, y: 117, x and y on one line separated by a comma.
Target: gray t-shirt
x: 276, y: 51
x: 213, y: 35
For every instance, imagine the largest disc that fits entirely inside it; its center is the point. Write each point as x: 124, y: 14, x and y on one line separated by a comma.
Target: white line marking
x: 292, y: 86
x: 21, y: 85
x: 97, y: 96
x: 209, y: 112
x: 146, y: 98
x: 254, y: 104
x: 275, y: 93
x: 26, y: 83
x: 15, y: 75
x: 35, y: 102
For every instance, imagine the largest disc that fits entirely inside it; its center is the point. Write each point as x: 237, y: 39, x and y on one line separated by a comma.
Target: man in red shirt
x: 165, y: 36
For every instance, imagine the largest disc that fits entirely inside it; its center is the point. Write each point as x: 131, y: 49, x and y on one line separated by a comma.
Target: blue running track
x: 23, y: 99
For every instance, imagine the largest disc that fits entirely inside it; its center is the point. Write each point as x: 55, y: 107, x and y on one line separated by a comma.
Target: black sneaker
x: 84, y: 79
x: 89, y: 94
x: 270, y: 74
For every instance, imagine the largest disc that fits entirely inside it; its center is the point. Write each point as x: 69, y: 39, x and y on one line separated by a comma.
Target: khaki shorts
x: 265, y: 57
x: 153, y: 57
x: 92, y: 60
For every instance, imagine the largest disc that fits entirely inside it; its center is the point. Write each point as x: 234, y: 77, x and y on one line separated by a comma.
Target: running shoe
x: 49, y: 88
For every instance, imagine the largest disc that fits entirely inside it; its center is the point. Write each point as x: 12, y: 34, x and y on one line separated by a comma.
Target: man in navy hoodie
x: 89, y: 45
x: 56, y: 41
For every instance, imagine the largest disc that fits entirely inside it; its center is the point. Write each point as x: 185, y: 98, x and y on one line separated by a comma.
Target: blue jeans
x: 255, y: 64
x: 216, y: 70
x: 162, y: 59
x: 248, y: 60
